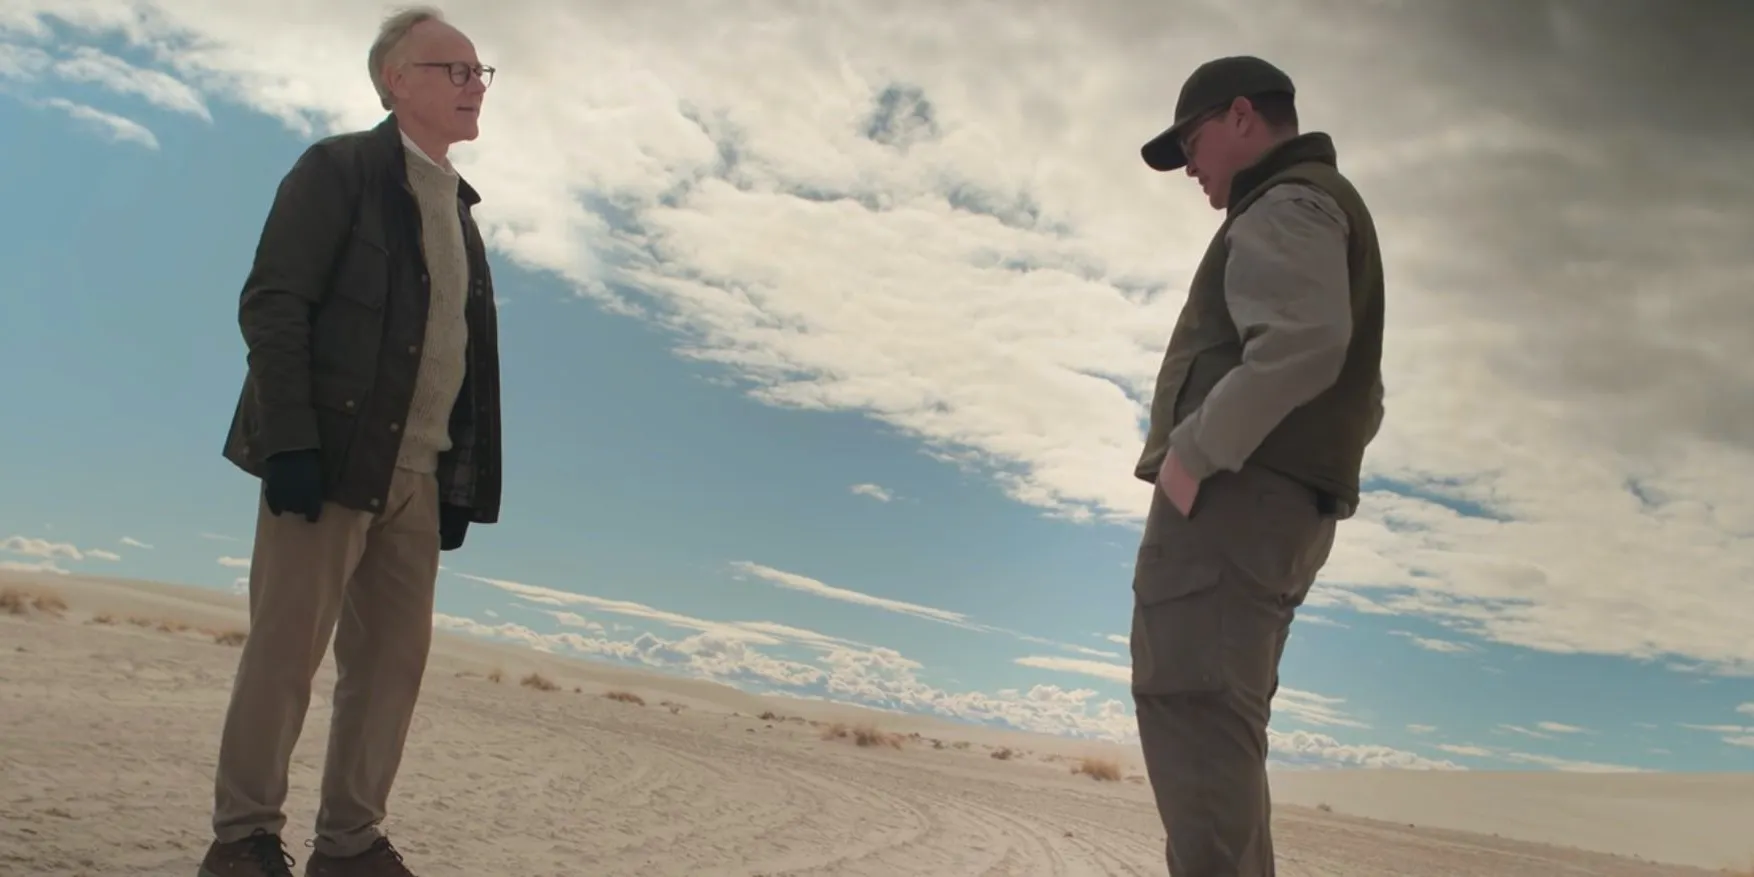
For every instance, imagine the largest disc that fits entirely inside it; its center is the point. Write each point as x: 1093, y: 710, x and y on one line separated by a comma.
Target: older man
x: 1269, y: 392
x: 371, y: 415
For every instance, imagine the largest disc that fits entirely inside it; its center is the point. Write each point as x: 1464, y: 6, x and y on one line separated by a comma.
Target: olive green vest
x: 1320, y: 443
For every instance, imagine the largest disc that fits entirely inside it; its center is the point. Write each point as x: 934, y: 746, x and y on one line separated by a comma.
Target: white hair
x: 390, y: 36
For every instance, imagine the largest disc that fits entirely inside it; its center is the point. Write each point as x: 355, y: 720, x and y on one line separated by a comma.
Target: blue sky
x: 781, y: 408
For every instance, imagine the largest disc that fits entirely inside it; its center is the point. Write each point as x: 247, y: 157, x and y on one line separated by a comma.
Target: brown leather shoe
x: 379, y: 860
x: 259, y: 855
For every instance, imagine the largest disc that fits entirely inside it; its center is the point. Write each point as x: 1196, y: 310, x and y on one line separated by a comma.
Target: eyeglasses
x: 1198, y: 128
x: 461, y: 70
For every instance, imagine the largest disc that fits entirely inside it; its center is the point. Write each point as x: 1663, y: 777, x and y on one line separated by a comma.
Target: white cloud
x: 88, y: 65
x: 1431, y: 644
x: 1421, y: 729
x: 1526, y: 732
x: 49, y: 554
x: 950, y: 242
x: 43, y: 548
x: 1732, y: 734
x: 1474, y: 751
x: 39, y: 566
x: 234, y: 562
x: 132, y: 542
x: 1561, y: 728
x: 950, y: 231
x: 876, y: 492
x: 807, y: 585
x: 120, y: 129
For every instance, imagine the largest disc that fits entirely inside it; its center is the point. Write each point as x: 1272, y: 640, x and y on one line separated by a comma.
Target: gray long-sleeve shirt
x: 1288, y: 291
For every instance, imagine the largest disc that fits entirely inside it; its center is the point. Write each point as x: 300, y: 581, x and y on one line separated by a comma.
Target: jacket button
x: 349, y: 403
x: 413, y: 348
x: 395, y: 426
x: 374, y: 502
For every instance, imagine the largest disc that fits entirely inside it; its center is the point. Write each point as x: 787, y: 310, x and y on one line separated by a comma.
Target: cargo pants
x: 1214, y: 595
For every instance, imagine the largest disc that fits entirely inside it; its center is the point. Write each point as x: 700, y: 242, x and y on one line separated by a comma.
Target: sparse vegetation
x: 15, y: 601
x: 1325, y: 807
x: 18, y: 602
x: 866, y: 735
x: 538, y: 682
x: 1099, y: 769
x: 1004, y: 753
x: 626, y: 697
x: 496, y: 675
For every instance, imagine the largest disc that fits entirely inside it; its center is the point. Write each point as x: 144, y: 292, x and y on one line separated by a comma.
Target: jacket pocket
x: 363, y: 277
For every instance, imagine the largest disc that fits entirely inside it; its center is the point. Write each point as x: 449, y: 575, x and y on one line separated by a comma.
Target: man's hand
x: 453, y: 525
x: 294, y: 483
x: 1177, y: 484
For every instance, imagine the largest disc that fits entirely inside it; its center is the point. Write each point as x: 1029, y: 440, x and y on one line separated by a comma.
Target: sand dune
x: 110, y: 719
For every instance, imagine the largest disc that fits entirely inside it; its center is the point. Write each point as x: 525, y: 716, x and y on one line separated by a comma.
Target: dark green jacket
x: 333, y: 312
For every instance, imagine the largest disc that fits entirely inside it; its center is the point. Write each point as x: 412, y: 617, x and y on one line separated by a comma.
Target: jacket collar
x: 388, y: 135
x: 1314, y: 146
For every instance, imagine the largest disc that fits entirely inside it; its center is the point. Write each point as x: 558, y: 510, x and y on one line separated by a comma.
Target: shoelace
x: 270, y: 852
x: 384, y: 847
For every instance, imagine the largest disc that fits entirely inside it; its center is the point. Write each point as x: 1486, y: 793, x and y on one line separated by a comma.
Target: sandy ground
x: 108, y: 724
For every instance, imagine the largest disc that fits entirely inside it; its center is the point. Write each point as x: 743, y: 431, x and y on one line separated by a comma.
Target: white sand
x: 108, y: 730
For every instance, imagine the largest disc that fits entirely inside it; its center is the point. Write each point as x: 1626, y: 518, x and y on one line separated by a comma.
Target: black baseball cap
x: 1212, y: 85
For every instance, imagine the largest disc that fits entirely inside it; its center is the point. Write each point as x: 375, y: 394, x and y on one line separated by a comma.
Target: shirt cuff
x: 1193, y: 459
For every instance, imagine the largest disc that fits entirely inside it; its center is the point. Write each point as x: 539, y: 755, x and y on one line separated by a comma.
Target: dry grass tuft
x: 1004, y: 753
x: 103, y: 618
x: 230, y: 637
x: 1100, y: 769
x: 538, y: 682
x: 626, y: 697
x: 17, y: 602
x: 495, y: 676
x: 863, y: 735
x: 172, y: 626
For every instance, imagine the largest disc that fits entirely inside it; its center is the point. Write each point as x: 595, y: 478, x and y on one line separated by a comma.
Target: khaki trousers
x: 367, y: 579
x: 1214, y: 595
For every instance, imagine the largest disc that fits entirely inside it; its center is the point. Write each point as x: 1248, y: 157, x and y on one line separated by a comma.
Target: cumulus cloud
x: 132, y: 542
x: 950, y: 232
x: 95, y: 67
x: 234, y: 562
x: 48, y: 554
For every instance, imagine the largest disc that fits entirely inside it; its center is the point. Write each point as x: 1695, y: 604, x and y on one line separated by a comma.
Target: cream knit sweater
x: 427, y: 432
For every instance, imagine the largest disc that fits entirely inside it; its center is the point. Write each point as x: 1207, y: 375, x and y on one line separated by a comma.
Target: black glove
x: 294, y: 483
x: 453, y: 524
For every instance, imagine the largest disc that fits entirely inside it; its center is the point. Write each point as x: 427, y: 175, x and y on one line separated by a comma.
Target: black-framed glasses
x: 460, y: 71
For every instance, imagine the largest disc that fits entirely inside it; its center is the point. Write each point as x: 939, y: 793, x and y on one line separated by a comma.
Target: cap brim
x: 1164, y: 152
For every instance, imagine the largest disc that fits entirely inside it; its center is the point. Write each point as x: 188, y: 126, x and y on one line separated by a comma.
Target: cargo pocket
x: 1178, y: 628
